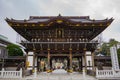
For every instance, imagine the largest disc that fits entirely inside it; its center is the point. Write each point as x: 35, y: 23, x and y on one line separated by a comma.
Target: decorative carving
x: 100, y: 66
x: 77, y: 24
x: 59, y: 21
x: 59, y: 33
x: 25, y: 24
x: 33, y: 24
x: 21, y: 65
x: 41, y: 25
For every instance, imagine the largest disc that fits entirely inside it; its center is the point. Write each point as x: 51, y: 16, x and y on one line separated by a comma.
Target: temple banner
x: 114, y: 58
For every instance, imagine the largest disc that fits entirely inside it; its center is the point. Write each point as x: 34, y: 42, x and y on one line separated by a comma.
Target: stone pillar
x: 84, y: 74
x: 48, y: 58
x: 35, y: 73
x: 93, y: 64
x: 70, y: 58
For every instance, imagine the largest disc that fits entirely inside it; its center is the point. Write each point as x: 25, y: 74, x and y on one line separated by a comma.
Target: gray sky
x: 96, y: 9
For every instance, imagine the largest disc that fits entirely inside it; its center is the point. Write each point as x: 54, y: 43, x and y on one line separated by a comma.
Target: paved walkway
x: 61, y: 76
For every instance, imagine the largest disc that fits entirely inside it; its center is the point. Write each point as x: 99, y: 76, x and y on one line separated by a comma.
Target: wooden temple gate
x: 59, y: 37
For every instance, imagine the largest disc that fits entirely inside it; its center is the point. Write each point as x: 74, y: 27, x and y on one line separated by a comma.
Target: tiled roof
x: 43, y: 19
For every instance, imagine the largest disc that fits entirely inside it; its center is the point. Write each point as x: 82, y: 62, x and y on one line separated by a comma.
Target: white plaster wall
x: 30, y: 53
x: 88, y: 52
x: 30, y: 59
x: 89, y: 58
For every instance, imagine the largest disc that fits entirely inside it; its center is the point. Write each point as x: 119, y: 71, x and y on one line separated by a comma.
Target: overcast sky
x: 96, y: 9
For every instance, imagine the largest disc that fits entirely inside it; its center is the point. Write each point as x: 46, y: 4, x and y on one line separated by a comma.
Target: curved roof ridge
x: 38, y: 17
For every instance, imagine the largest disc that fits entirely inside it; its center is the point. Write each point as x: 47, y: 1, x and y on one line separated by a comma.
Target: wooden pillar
x: 70, y: 52
x: 85, y: 64
x: 81, y: 64
x: 93, y: 65
x: 50, y: 63
x: 34, y: 60
x: 39, y: 64
x: 68, y: 63
x: 48, y: 58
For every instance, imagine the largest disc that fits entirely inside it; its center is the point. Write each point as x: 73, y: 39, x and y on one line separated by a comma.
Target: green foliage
x: 118, y: 51
x: 14, y: 50
x: 105, y: 48
x: 112, y: 42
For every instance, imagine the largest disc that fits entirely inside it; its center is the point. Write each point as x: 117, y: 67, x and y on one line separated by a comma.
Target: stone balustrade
x: 10, y: 74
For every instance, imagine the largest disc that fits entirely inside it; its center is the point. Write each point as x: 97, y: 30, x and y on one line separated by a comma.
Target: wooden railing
x: 11, y: 74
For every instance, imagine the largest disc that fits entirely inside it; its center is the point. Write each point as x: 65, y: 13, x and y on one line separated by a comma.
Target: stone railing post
x: 35, y: 72
x: 84, y: 73
x: 113, y: 71
x: 20, y: 73
x: 2, y: 72
x: 96, y: 72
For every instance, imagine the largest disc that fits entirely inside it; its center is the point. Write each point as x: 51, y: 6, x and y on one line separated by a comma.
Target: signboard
x: 114, y: 58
